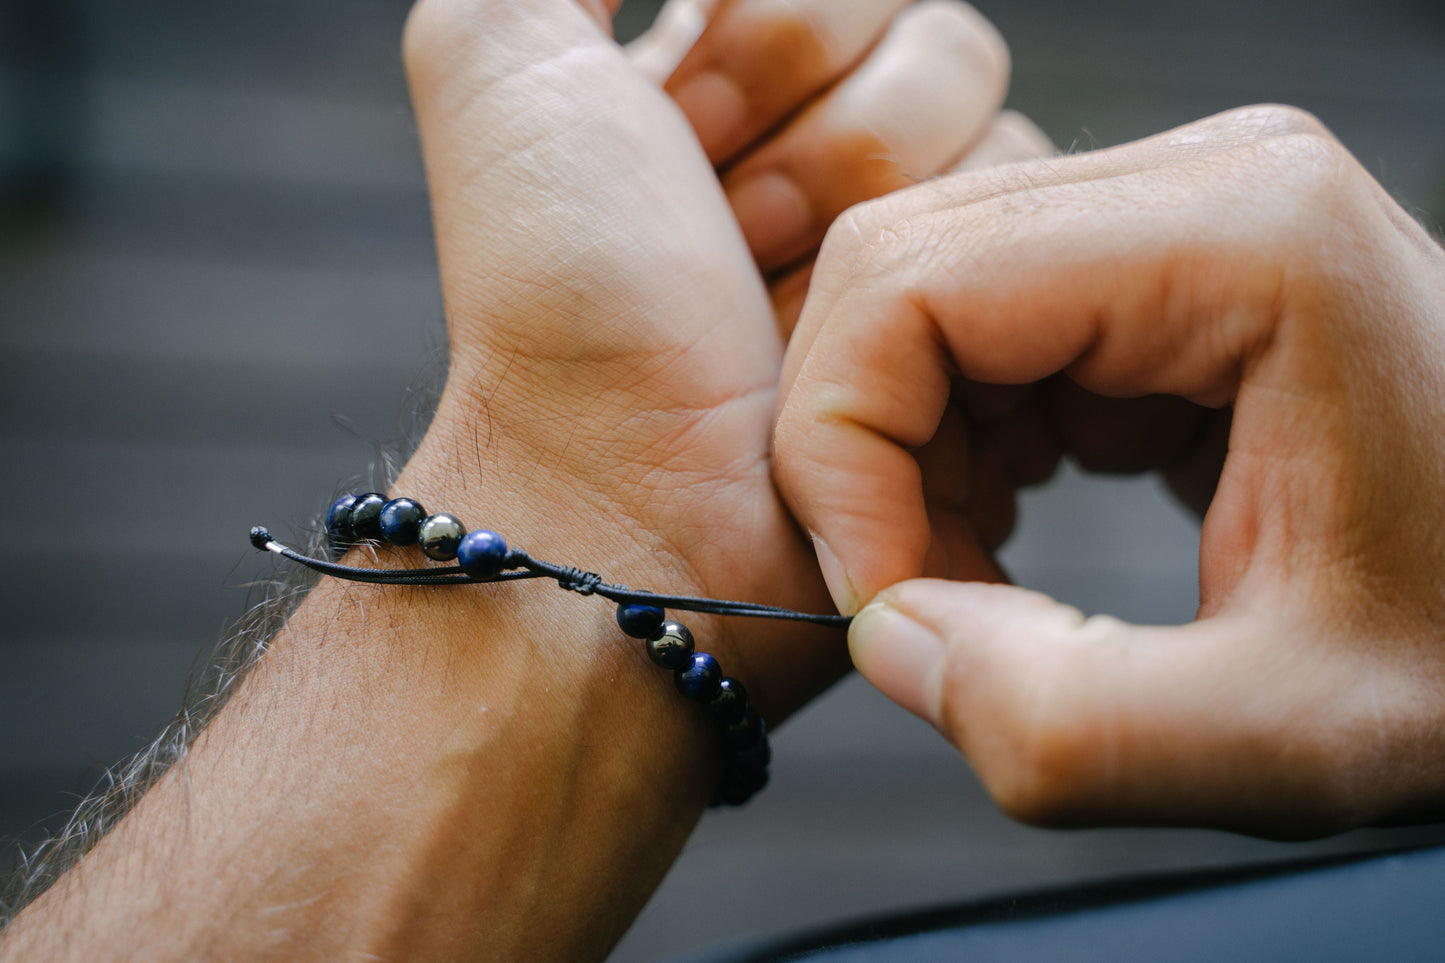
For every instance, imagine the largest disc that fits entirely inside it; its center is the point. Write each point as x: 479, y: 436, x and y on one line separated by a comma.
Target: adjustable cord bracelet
x: 483, y: 556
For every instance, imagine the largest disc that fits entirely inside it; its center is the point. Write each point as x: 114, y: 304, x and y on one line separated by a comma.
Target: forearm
x: 464, y: 772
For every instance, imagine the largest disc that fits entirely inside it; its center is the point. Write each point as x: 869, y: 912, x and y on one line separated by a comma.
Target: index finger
x: 1151, y: 269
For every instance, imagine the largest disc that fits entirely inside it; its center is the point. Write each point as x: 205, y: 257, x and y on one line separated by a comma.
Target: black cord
x: 520, y: 565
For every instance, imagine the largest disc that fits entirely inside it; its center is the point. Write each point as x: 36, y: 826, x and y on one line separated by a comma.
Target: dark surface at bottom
x: 1385, y: 907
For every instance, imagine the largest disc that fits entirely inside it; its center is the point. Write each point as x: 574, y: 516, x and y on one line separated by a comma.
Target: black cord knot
x: 576, y: 580
x: 259, y: 537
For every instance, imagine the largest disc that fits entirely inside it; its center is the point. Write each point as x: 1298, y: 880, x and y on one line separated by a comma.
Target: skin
x: 1236, y: 303
x: 499, y: 773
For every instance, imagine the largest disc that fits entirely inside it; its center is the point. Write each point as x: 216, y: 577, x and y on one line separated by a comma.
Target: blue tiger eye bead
x: 401, y: 521
x: 482, y: 553
x: 745, y: 733
x: 366, y: 516
x: 700, y: 679
x: 640, y: 621
x: 671, y: 647
x: 730, y: 703
x: 440, y: 535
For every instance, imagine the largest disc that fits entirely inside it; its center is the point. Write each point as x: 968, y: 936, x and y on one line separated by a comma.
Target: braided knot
x: 583, y: 583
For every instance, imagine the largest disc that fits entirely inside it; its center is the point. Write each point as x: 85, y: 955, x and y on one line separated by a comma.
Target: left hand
x: 608, y: 328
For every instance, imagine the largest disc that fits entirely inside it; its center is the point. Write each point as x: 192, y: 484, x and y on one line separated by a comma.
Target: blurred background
x: 218, y: 291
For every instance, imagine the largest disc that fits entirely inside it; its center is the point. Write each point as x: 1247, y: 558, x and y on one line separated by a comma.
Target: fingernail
x: 902, y: 658
x: 839, y: 585
x: 774, y: 214
x: 716, y: 108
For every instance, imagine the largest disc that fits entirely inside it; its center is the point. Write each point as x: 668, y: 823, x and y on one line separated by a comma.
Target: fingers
x: 1151, y: 269
x: 928, y: 92
x: 1071, y: 721
x: 760, y: 59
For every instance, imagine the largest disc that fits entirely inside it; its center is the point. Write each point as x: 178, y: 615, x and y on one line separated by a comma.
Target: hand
x: 607, y: 322
x: 1243, y: 263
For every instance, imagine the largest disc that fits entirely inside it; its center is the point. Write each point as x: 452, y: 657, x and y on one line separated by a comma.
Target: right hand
x: 1244, y: 262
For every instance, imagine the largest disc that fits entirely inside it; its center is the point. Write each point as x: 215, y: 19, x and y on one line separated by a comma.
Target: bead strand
x: 698, y: 676
x: 483, y: 554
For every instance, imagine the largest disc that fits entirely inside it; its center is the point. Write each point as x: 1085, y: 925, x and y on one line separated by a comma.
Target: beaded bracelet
x: 483, y: 556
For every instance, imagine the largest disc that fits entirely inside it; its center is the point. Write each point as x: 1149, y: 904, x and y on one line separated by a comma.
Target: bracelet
x: 483, y: 556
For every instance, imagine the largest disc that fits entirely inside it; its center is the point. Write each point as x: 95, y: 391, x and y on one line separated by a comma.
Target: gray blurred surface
x: 217, y: 282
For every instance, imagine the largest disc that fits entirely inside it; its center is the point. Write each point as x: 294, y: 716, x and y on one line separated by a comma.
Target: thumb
x: 1071, y: 720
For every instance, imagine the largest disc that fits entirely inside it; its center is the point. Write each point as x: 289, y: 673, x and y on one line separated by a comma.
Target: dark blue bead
x: 401, y: 521
x: 740, y: 785
x: 339, y: 534
x: 482, y: 553
x: 338, y: 518
x: 366, y: 516
x: 700, y: 679
x: 729, y: 704
x: 640, y: 621
x: 672, y: 647
x: 757, y: 757
x: 440, y: 535
x: 745, y: 733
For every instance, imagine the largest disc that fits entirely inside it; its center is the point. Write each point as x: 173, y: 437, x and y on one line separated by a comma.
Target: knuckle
x: 1306, y: 192
x: 1317, y: 180
x: 1244, y: 127
x: 961, y: 31
x: 862, y: 234
x: 1274, y: 120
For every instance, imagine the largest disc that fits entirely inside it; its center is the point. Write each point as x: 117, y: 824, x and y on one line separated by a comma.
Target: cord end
x: 260, y: 536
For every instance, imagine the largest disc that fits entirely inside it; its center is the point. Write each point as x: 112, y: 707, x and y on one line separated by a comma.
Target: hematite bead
x: 401, y: 521
x: 440, y: 535
x: 730, y: 703
x: 640, y: 621
x: 366, y: 516
x: 672, y: 647
x: 745, y: 733
x: 482, y: 553
x: 700, y: 679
